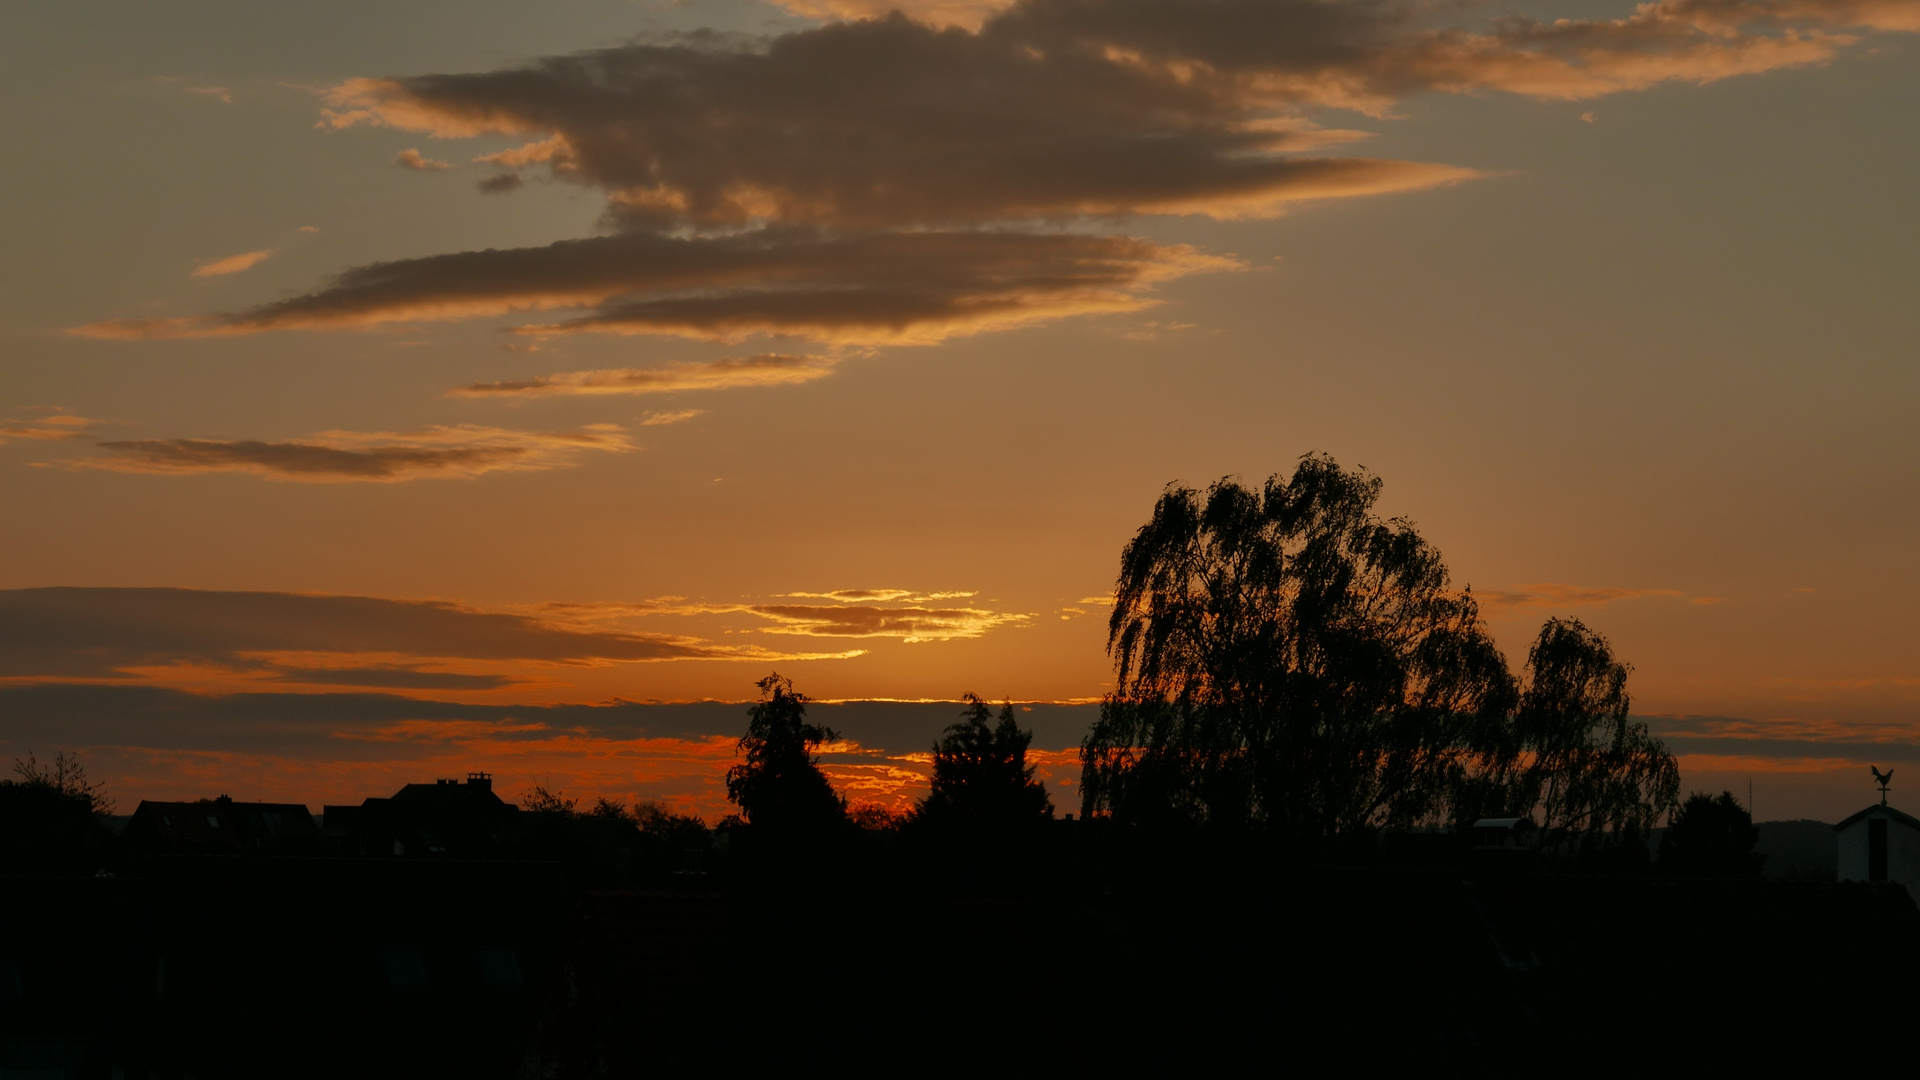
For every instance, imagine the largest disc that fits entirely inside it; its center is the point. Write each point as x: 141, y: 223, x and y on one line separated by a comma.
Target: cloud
x: 219, y: 93
x: 501, y: 184
x: 98, y: 632
x: 908, y: 287
x: 57, y: 424
x: 766, y: 369
x: 309, y: 229
x: 414, y: 160
x: 345, y: 456
x: 1787, y: 740
x: 1565, y: 596
x: 889, y: 123
x: 234, y: 264
x: 913, y: 624
x: 656, y: 419
x: 1062, y: 107
x: 847, y: 596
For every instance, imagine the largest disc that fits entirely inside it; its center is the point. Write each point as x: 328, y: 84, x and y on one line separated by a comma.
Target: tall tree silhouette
x: 779, y: 785
x: 1711, y: 836
x: 1285, y: 657
x: 1589, y: 770
x: 981, y: 779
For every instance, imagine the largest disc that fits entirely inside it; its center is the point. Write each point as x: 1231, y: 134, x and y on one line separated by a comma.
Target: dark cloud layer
x: 68, y: 715
x: 96, y: 633
x: 892, y: 123
x: 339, y: 456
x: 800, y: 281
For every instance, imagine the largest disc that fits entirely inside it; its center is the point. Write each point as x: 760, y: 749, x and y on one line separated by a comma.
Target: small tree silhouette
x: 981, y: 778
x: 779, y: 787
x: 1711, y: 836
x: 65, y: 777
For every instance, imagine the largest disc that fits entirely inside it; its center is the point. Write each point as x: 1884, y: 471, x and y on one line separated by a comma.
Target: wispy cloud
x: 234, y: 264
x: 854, y: 596
x: 1548, y: 595
x: 859, y: 613
x: 656, y: 419
x: 218, y: 93
x: 411, y: 158
x: 347, y: 456
x: 766, y: 369
x: 52, y: 424
x: 912, y: 624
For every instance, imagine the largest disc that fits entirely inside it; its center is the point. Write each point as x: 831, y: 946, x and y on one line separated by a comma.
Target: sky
x: 393, y: 391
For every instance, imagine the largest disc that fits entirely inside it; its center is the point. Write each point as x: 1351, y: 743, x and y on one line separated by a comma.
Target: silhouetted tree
x: 65, y: 777
x: 47, y: 819
x: 1711, y: 836
x: 1590, y: 771
x: 1286, y: 657
x: 780, y: 787
x: 542, y: 801
x: 873, y: 817
x: 981, y: 779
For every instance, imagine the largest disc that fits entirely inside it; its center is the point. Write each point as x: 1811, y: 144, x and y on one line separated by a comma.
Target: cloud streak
x: 319, y: 640
x: 411, y: 158
x: 913, y: 287
x: 462, y: 451
x: 1548, y: 595
x: 234, y: 264
x: 911, y: 624
x: 53, y: 425
x: 765, y: 369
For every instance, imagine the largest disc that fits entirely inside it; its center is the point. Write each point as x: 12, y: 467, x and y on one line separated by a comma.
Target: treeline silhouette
x: 1321, y: 820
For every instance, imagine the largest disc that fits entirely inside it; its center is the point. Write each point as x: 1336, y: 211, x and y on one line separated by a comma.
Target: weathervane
x: 1884, y: 779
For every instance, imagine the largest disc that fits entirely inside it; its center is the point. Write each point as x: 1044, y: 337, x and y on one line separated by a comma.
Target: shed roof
x: 1908, y: 820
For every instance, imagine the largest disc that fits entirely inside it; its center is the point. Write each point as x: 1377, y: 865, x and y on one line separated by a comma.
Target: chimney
x: 481, y: 780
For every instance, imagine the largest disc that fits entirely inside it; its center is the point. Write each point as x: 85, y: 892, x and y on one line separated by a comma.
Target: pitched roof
x: 1908, y: 820
x: 220, y: 822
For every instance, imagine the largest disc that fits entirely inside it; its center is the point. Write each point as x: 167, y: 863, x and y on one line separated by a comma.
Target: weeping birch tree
x: 1286, y: 659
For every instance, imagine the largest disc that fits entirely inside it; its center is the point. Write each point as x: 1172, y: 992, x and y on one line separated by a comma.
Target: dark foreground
x: 871, y: 955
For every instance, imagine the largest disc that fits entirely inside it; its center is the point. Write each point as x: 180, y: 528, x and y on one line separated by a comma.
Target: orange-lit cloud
x: 766, y: 369
x: 656, y: 419
x: 854, y: 596
x: 414, y: 160
x: 888, y: 287
x: 55, y: 424
x: 856, y: 613
x: 461, y: 451
x: 234, y: 264
x: 912, y: 624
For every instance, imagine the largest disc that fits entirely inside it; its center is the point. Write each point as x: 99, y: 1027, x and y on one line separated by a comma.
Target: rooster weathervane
x: 1883, y: 779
